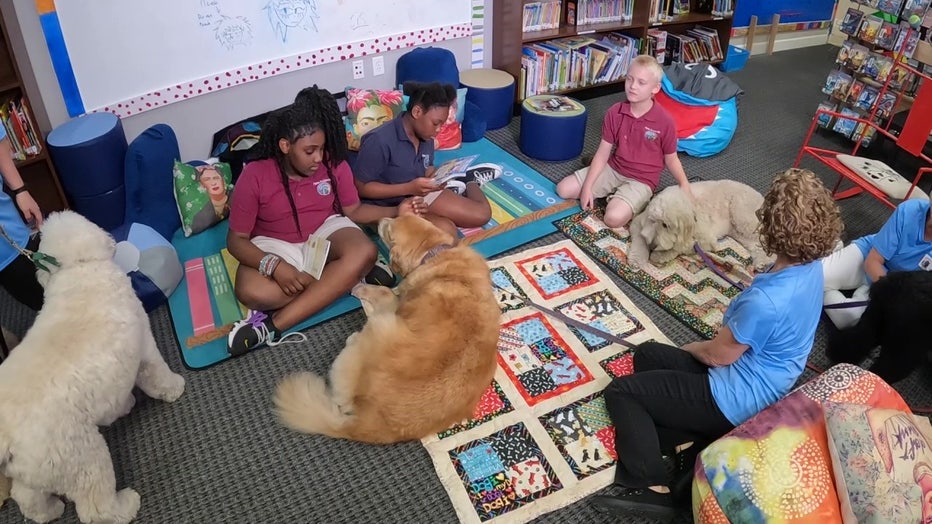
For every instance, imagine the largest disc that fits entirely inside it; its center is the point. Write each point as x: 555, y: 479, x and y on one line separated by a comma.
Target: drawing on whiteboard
x: 358, y: 20
x: 286, y: 14
x: 232, y: 32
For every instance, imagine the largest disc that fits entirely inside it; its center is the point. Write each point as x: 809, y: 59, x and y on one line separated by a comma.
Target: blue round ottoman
x: 552, y: 127
x: 493, y: 91
x: 150, y: 261
x: 89, y: 153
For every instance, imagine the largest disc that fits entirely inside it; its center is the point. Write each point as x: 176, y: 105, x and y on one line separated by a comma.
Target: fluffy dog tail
x: 304, y: 404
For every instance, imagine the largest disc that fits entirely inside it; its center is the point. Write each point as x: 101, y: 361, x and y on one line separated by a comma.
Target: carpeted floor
x: 218, y: 455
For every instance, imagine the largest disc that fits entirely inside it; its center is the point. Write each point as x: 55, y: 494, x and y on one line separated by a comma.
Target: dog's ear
x: 685, y: 228
x: 72, y: 239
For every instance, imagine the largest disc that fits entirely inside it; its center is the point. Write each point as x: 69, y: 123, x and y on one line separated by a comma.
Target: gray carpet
x: 217, y: 455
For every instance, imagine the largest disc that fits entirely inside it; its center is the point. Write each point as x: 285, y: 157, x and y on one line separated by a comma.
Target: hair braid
x: 278, y: 125
x: 320, y: 109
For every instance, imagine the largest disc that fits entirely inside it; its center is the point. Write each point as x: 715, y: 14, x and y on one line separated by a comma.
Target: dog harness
x: 37, y: 258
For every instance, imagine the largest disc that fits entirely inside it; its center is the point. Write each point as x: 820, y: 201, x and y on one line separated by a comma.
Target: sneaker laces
x: 256, y: 321
x: 482, y: 176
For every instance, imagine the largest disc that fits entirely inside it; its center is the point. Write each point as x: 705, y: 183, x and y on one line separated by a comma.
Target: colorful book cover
x: 886, y: 36
x: 825, y: 119
x: 869, y: 29
x: 851, y: 23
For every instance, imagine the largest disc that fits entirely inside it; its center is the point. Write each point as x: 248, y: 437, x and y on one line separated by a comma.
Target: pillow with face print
x: 202, y: 193
x: 367, y: 109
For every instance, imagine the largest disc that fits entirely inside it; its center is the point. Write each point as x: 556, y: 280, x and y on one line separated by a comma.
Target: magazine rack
x: 912, y: 139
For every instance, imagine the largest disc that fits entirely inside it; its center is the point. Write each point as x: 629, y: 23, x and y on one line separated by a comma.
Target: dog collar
x: 434, y: 251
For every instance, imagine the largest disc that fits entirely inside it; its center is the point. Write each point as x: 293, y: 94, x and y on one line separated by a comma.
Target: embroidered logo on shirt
x: 323, y: 188
x: 926, y: 263
x: 651, y: 134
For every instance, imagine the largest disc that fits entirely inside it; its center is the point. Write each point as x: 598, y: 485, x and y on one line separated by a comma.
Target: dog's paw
x: 126, y: 505
x: 53, y: 509
x: 173, y: 388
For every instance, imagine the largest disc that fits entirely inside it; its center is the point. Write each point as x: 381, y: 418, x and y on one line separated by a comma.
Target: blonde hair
x: 649, y: 63
x: 799, y: 219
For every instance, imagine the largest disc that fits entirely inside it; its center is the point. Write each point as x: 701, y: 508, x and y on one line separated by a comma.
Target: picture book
x: 885, y: 105
x: 869, y: 3
x: 906, y: 40
x: 890, y: 6
x: 899, y: 77
x: 844, y: 52
x: 837, y: 84
x: 884, y: 65
x: 851, y: 23
x: 857, y: 57
x: 863, y: 132
x: 825, y: 119
x: 914, y: 7
x: 553, y: 104
x: 454, y: 168
x: 867, y: 98
x: 869, y: 28
x: 854, y: 91
x: 886, y: 37
x: 845, y: 126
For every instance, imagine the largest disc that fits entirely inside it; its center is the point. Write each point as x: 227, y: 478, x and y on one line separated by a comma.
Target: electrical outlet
x: 359, y: 69
x: 378, y: 65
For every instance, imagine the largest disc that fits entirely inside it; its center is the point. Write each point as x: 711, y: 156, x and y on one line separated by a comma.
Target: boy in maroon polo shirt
x: 301, y: 186
x: 638, y: 140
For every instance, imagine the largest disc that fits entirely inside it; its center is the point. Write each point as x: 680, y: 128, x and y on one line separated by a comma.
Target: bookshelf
x: 509, y: 37
x: 35, y: 166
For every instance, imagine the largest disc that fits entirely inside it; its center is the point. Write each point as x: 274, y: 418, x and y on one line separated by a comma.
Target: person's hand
x: 29, y: 207
x: 688, y: 190
x: 423, y: 186
x: 412, y: 206
x: 585, y: 199
x: 430, y: 171
x: 290, y: 279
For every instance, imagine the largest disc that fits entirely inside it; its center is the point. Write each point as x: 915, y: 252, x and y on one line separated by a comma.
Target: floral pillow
x: 367, y: 109
x: 202, y: 193
x: 882, y: 459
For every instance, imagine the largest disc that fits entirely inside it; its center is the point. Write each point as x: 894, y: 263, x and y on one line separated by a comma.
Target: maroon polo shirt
x: 640, y: 143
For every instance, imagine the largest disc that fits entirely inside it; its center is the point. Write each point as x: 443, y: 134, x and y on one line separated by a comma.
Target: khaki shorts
x: 294, y: 253
x: 611, y: 184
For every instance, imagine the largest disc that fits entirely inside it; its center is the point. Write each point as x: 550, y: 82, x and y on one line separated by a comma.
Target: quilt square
x: 619, y: 365
x: 525, y: 477
x: 583, y: 433
x: 507, y: 291
x: 556, y: 273
x: 602, y: 311
x: 480, y: 462
x: 538, y: 360
x: 492, y: 404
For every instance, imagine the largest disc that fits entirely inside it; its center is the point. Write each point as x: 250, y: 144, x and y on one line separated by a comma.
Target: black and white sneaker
x: 380, y: 274
x: 482, y: 173
x: 457, y: 187
x: 254, y: 331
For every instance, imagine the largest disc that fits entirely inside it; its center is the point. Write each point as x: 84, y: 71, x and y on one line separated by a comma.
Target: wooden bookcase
x: 508, y: 37
x: 37, y: 171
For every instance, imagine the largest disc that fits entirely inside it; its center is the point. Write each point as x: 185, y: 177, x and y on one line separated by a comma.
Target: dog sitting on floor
x: 75, y: 370
x: 896, y: 318
x: 425, y: 356
x: 672, y: 223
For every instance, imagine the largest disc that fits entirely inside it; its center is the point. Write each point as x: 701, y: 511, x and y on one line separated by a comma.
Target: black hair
x: 429, y: 95
x: 313, y: 110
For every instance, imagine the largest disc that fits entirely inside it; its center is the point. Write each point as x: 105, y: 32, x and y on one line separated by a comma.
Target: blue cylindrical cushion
x: 89, y: 152
x: 106, y: 209
x: 493, y: 91
x: 150, y: 261
x: 150, y: 193
x: 427, y: 64
x: 553, y: 136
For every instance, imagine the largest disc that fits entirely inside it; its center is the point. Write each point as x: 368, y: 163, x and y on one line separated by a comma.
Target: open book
x: 315, y: 251
x: 455, y: 168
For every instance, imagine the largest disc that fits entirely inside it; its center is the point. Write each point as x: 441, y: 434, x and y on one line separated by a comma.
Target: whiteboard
x: 131, y: 55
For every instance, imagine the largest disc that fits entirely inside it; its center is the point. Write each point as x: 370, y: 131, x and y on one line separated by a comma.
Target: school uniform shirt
x: 777, y: 317
x: 12, y: 223
x: 260, y: 206
x: 387, y: 155
x: 640, y: 142
x: 901, y: 240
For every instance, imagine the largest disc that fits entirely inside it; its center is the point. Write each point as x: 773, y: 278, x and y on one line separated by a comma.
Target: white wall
x: 194, y: 120
x: 783, y: 41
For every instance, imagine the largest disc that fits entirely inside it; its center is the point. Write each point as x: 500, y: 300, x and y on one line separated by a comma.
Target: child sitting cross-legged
x: 300, y: 186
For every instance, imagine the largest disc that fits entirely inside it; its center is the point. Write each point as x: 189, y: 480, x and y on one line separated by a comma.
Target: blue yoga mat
x: 520, y: 191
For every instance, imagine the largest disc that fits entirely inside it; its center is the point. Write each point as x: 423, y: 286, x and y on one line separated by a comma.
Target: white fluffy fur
x: 74, y: 370
x: 672, y: 223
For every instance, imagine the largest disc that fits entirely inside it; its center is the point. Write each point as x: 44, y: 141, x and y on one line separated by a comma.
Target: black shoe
x: 482, y: 173
x: 380, y: 275
x: 640, y: 501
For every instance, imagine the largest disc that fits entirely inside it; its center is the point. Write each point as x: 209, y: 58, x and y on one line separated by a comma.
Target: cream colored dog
x: 672, y: 223
x: 424, y: 358
x: 74, y: 370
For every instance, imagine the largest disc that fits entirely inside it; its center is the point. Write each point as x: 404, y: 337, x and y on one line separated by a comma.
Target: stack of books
x: 539, y: 16
x: 20, y: 127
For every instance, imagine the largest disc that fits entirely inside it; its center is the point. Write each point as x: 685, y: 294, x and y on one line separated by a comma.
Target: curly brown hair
x: 799, y: 219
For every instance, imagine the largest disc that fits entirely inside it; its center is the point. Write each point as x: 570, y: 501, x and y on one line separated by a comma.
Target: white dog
x: 672, y: 223
x: 74, y: 370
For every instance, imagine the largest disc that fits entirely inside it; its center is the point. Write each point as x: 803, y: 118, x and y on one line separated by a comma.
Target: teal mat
x: 524, y: 203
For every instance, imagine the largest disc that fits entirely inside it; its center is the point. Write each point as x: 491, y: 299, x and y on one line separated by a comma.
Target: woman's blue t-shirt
x: 12, y: 222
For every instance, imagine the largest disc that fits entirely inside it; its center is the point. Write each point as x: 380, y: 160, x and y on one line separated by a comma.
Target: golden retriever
x: 425, y: 355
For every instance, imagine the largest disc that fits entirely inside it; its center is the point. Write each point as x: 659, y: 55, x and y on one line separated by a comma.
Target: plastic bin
x: 735, y: 59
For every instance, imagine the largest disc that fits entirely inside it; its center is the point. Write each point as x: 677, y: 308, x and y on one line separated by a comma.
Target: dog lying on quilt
x: 896, y: 319
x: 74, y: 370
x: 672, y: 223
x: 425, y: 356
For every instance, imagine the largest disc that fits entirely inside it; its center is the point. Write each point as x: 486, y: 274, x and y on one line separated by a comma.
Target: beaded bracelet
x: 270, y: 269
x: 268, y: 264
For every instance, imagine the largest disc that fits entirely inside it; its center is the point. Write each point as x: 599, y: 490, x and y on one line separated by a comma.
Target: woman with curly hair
x: 677, y: 401
x: 299, y: 185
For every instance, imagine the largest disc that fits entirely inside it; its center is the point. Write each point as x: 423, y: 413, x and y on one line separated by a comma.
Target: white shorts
x: 294, y: 253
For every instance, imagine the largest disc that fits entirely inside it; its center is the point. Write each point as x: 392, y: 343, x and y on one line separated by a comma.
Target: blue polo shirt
x: 12, y: 223
x: 901, y: 241
x: 777, y: 318
x: 387, y: 155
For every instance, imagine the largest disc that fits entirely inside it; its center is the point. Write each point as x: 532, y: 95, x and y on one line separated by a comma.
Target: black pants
x: 666, y: 402
x: 19, y: 278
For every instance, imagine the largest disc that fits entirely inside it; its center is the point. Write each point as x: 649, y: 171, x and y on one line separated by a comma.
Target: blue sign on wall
x: 790, y: 11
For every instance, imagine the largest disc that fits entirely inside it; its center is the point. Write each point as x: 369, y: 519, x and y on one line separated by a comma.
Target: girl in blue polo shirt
x: 17, y: 273
x: 679, y: 400
x: 904, y: 243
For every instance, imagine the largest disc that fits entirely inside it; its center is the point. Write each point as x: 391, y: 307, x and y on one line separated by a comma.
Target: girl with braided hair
x: 299, y: 185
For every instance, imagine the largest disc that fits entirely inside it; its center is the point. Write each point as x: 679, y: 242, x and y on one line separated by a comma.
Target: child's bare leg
x: 569, y: 187
x: 351, y: 256
x: 469, y: 210
x: 617, y: 213
x: 443, y: 223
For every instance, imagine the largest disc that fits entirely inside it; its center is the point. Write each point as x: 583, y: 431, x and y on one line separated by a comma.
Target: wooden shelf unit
x: 37, y: 171
x: 508, y: 38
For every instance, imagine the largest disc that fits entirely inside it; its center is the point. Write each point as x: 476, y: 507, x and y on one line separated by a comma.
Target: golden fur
x: 425, y: 356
